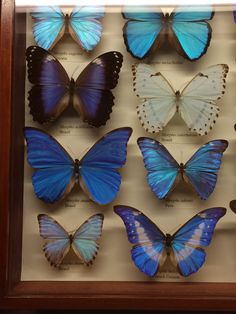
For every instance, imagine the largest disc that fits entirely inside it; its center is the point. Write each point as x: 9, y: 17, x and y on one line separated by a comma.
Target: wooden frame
x: 16, y: 294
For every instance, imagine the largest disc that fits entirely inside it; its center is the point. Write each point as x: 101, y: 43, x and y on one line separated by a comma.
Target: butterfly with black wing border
x: 151, y: 246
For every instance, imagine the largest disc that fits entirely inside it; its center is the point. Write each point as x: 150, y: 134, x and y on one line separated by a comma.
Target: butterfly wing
x: 85, y: 27
x: 158, y: 100
x: 142, y: 30
x: 50, y: 94
x: 162, y: 168
x: 94, y: 99
x: 148, y: 239
x: 58, y: 241
x: 86, y: 238
x: 202, y: 168
x: 54, y: 175
x: 99, y: 176
x: 189, y: 239
x: 48, y: 25
x: 198, y: 99
x: 191, y: 33
x: 233, y: 205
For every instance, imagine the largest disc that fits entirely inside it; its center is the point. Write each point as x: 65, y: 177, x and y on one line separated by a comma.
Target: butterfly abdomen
x: 76, y: 168
x: 169, y: 239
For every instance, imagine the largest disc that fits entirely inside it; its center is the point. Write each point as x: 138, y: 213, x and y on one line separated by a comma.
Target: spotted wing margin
x: 93, y: 98
x: 195, y: 233
x: 49, y: 95
x: 158, y: 99
x: 57, y: 239
x: 147, y: 239
x: 86, y: 238
x: 198, y: 106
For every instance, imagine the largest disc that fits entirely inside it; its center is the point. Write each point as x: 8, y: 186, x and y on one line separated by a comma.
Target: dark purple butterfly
x: 234, y: 13
x: 232, y: 205
x: 53, y: 91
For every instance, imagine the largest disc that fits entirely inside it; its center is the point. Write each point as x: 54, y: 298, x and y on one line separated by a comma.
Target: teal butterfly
x: 83, y: 24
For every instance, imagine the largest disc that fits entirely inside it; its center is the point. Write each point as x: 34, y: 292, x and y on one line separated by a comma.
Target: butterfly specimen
x: 56, y: 172
x: 84, y: 241
x: 196, y: 103
x: 151, y: 246
x: 186, y: 29
x: 164, y: 171
x: 53, y: 91
x: 83, y: 24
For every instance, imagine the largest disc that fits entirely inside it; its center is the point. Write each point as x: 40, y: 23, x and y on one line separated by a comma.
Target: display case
x: 113, y: 282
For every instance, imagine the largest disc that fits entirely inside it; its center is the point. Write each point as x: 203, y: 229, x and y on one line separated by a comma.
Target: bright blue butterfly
x: 57, y: 173
x: 84, y: 241
x: 185, y: 28
x: 53, y: 91
x: 200, y: 171
x: 151, y: 246
x: 50, y: 24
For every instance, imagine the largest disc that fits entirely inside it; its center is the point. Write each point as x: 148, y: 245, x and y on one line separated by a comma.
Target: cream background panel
x: 113, y: 261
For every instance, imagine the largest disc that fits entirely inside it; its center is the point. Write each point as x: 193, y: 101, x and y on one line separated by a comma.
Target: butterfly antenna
x: 77, y: 69
x: 71, y: 152
x: 84, y: 152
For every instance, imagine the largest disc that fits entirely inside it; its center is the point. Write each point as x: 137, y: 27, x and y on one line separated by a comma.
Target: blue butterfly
x: 53, y: 91
x: 84, y: 241
x: 50, y: 24
x: 151, y: 246
x: 56, y: 172
x: 185, y: 28
x: 200, y: 171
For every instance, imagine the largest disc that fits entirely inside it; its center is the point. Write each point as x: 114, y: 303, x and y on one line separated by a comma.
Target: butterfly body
x: 200, y: 171
x: 151, y: 246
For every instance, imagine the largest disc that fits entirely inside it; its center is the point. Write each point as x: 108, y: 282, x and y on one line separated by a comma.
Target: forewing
x: 148, y: 239
x: 86, y: 238
x: 198, y: 106
x: 93, y: 97
x: 50, y: 92
x: 191, y: 32
x: 141, y: 31
x: 189, y: 239
x: 58, y: 242
x: 162, y: 168
x: 158, y: 100
x: 99, y: 176
x: 202, y: 168
x: 48, y: 25
x: 85, y: 27
x: 54, y: 175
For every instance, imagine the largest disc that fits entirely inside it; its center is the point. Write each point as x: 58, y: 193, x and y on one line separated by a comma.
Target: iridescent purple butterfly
x: 53, y: 91
x: 151, y: 246
x: 200, y: 170
x: 84, y: 241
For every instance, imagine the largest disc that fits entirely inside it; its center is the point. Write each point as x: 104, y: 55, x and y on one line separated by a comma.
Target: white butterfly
x: 196, y: 103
